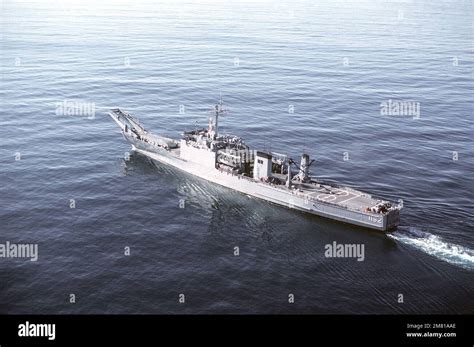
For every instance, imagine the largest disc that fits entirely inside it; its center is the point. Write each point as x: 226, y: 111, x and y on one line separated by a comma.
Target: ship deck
x: 341, y: 196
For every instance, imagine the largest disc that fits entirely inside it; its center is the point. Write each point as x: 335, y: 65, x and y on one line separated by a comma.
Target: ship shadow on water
x: 225, y: 209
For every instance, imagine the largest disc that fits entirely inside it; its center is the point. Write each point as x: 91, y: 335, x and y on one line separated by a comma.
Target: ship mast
x: 219, y: 111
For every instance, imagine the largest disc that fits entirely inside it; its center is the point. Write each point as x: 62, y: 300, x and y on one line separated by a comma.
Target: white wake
x: 434, y: 245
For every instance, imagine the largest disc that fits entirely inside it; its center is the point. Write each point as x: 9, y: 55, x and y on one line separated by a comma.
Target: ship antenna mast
x: 219, y: 111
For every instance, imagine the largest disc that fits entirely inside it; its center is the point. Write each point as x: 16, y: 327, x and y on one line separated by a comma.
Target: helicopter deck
x: 342, y: 196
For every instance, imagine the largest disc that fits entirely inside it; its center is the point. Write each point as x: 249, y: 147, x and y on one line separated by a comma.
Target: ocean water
x: 296, y: 76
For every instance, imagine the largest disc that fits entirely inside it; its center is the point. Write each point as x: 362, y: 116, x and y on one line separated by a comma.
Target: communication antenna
x: 219, y: 111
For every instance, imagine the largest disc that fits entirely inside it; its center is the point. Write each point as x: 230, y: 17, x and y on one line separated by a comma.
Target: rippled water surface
x: 333, y: 63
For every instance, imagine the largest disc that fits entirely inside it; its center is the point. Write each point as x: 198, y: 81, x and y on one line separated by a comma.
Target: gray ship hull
x: 272, y: 194
x: 338, y: 203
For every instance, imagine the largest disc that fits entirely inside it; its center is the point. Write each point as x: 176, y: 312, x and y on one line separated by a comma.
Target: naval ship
x: 226, y: 160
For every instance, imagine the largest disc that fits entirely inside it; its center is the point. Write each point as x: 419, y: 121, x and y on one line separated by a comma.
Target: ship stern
x: 392, y: 220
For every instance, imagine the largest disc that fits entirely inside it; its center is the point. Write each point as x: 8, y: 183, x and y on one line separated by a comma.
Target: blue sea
x: 296, y: 76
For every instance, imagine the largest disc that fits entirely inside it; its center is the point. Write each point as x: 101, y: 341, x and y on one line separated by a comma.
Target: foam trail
x: 435, y: 246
